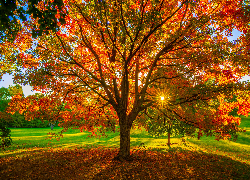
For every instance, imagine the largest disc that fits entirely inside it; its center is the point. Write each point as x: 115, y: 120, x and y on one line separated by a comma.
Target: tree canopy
x: 15, y: 15
x: 14, y: 12
x: 112, y: 60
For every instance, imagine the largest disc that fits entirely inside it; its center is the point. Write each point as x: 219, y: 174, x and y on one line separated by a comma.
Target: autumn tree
x: 5, y: 98
x: 14, y: 15
x: 159, y: 125
x: 158, y: 120
x: 105, y: 64
x: 7, y: 93
x: 52, y: 123
x: 5, y: 118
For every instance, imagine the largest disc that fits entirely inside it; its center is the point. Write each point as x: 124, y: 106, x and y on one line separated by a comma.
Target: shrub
x: 5, y: 139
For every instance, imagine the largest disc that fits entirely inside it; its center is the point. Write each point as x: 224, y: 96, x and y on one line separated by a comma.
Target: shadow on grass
x: 97, y: 163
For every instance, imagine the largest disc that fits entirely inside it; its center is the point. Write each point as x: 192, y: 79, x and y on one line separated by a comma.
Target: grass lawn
x: 75, y: 157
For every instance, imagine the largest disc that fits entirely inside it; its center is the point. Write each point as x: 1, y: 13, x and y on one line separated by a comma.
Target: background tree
x: 5, y: 118
x: 105, y: 64
x: 41, y: 121
x: 159, y: 125
x: 5, y: 98
x: 5, y: 136
x: 16, y: 120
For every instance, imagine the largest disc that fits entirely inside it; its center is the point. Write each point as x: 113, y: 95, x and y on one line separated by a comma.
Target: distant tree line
x: 18, y: 121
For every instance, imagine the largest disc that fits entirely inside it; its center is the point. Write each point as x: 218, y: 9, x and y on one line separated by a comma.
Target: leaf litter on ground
x: 98, y: 163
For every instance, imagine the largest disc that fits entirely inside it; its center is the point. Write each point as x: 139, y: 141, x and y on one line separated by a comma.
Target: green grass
x: 231, y: 158
x: 29, y: 138
x: 239, y: 150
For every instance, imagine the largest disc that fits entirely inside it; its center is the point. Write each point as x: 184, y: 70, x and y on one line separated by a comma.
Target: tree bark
x: 124, y: 151
x: 169, y: 133
x: 51, y: 126
x: 169, y: 139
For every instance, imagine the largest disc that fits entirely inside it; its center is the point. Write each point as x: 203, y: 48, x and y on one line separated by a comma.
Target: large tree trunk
x: 124, y: 151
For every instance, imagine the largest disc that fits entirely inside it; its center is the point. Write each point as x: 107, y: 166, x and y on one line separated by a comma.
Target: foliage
x: 4, y: 104
x: 15, y: 90
x: 17, y: 119
x: 4, y: 93
x: 158, y: 125
x: 14, y: 17
x: 9, y: 23
x: 13, y: 11
x: 4, y: 98
x: 5, y: 139
x: 159, y: 122
x: 7, y: 93
x: 5, y: 118
x: 104, y: 66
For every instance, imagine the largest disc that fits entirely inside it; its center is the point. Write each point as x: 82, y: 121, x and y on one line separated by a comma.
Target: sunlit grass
x: 92, y: 158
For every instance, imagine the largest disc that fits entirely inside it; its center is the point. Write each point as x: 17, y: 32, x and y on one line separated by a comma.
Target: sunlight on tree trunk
x: 125, y: 128
x: 124, y: 152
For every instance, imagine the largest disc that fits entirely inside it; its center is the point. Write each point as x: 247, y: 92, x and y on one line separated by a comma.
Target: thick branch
x: 145, y: 39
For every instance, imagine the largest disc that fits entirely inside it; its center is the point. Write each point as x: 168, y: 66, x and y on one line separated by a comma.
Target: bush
x: 5, y: 139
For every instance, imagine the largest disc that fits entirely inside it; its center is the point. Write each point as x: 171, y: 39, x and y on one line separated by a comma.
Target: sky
x: 27, y: 90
